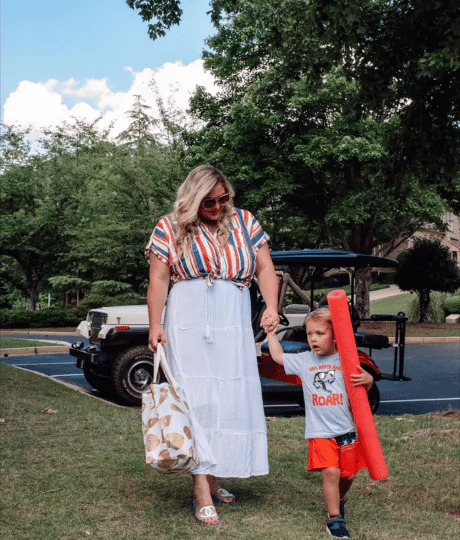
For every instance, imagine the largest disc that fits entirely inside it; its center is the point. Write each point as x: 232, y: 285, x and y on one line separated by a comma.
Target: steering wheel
x: 284, y: 321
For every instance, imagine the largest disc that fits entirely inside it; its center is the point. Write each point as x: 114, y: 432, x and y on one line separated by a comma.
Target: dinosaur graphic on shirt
x: 323, y: 378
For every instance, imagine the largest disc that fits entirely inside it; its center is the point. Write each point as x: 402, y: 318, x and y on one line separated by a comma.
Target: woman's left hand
x: 270, y: 320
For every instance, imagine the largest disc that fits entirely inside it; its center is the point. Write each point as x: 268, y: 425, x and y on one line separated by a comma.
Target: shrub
x: 44, y: 318
x: 452, y: 304
x: 436, y: 308
x: 427, y: 266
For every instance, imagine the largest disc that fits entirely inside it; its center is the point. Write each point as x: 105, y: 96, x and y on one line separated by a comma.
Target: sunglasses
x: 221, y: 201
x: 323, y: 374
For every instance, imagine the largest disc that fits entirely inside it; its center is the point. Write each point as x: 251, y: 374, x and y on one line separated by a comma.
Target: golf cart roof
x: 329, y: 258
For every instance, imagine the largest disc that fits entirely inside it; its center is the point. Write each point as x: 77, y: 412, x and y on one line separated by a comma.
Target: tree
x: 295, y: 118
x: 339, y: 115
x: 31, y: 232
x: 427, y: 266
x: 81, y: 209
x: 140, y: 130
x: 134, y: 186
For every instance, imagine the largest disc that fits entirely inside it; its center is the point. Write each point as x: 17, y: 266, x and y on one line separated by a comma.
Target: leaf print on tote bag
x: 165, y: 417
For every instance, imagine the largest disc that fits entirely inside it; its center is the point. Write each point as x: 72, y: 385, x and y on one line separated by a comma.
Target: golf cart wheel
x: 374, y: 398
x: 103, y: 384
x: 132, y: 373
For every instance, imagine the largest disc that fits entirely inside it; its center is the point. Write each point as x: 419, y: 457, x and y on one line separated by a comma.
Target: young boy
x: 334, y: 447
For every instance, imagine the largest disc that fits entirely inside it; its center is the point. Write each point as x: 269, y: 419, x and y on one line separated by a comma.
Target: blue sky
x: 90, y: 39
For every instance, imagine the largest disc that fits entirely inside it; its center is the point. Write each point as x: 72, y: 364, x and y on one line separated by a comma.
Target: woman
x: 212, y: 250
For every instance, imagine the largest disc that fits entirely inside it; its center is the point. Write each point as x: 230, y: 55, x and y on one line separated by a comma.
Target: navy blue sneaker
x: 337, y: 527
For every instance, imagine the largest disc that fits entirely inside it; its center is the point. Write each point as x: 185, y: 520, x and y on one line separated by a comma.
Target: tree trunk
x: 362, y: 241
x: 32, y: 290
x: 424, y: 302
x: 363, y: 284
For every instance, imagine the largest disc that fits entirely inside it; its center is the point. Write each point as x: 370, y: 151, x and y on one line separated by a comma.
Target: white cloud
x: 43, y: 104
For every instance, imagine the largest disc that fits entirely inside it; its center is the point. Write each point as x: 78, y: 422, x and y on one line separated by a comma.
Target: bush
x: 93, y: 301
x: 452, y: 304
x: 44, y: 318
x: 427, y: 266
x: 436, y: 307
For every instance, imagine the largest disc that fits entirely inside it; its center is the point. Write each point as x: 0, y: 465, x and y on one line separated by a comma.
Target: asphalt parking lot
x: 433, y: 368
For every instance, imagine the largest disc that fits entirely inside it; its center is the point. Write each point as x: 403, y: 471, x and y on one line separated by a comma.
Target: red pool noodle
x: 346, y: 345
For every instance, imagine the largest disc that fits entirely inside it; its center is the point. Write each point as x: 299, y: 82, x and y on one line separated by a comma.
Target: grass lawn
x: 392, y: 304
x: 64, y: 330
x: 77, y: 471
x: 14, y: 343
x: 397, y: 303
x: 347, y: 289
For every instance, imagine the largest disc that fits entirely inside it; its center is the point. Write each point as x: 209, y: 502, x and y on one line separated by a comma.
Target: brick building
x: 449, y: 238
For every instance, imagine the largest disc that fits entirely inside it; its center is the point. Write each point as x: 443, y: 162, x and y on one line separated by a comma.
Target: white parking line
x: 68, y: 375
x: 48, y: 364
x: 417, y: 400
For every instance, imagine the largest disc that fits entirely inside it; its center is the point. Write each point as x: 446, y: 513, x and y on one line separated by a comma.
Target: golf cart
x: 118, y: 363
x: 292, y: 334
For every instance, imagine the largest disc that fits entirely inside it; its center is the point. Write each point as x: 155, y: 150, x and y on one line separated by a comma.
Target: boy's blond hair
x: 320, y: 315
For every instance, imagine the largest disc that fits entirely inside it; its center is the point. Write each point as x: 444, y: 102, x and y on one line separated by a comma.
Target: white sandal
x: 221, y: 494
x: 206, y: 512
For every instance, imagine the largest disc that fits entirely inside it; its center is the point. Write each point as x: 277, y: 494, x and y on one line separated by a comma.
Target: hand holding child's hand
x: 362, y: 379
x: 270, y: 320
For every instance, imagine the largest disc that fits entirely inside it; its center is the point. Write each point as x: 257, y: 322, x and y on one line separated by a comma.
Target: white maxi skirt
x: 211, y: 350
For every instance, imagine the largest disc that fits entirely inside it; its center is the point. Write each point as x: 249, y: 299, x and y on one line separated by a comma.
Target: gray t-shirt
x: 327, y: 410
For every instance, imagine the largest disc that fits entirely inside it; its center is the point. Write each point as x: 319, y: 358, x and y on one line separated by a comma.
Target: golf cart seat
x: 371, y: 341
x: 297, y: 308
x: 289, y: 347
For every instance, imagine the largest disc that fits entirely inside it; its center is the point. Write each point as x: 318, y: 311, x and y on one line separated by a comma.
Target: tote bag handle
x: 160, y: 359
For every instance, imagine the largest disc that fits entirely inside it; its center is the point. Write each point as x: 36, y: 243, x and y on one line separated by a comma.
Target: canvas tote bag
x: 170, y: 446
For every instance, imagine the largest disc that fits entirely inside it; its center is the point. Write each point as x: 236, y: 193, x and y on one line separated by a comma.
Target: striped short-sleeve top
x: 208, y: 260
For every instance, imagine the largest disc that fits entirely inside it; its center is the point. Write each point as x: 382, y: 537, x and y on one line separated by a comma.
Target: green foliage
x: 139, y: 132
x: 452, y: 304
x: 82, y: 210
x: 319, y: 127
x: 68, y: 283
x: 44, y: 318
x: 109, y: 288
x: 306, y: 137
x: 427, y: 266
x: 436, y: 308
x: 166, y: 14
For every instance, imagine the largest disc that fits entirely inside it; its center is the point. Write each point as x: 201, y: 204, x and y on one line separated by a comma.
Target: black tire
x: 132, y: 373
x: 374, y: 398
x: 103, y: 384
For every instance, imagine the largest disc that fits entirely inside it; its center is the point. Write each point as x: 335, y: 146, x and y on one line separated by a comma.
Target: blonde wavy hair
x: 321, y: 315
x: 199, y: 183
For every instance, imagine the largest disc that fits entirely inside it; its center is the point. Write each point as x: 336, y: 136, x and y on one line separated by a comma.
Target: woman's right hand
x: 156, y: 334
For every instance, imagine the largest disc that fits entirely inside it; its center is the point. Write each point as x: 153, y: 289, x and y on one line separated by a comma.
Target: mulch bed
x: 411, y: 328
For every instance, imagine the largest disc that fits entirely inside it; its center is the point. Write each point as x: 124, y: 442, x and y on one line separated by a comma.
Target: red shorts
x: 343, y: 452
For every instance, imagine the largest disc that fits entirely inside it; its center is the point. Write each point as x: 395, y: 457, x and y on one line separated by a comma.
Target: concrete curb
x: 421, y: 339
x: 453, y: 339
x: 24, y: 351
